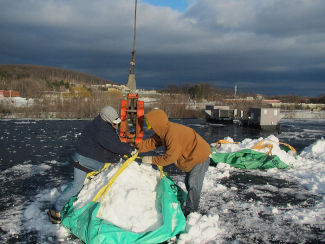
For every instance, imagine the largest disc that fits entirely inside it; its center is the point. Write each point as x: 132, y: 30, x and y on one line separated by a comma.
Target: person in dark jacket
x: 99, y: 143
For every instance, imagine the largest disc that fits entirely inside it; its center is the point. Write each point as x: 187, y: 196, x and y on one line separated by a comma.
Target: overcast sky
x: 262, y: 46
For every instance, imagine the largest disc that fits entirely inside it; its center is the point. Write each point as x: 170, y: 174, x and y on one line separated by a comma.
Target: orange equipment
x: 132, y: 114
x: 132, y: 110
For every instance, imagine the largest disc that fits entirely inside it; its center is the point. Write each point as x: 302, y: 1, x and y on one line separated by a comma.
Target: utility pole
x: 235, y: 91
x: 10, y: 100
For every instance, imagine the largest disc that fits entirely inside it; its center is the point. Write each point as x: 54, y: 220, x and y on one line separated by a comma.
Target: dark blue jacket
x: 100, y: 141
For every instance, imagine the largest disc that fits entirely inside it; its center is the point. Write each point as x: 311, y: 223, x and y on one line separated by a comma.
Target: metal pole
x: 135, y: 31
x: 135, y: 23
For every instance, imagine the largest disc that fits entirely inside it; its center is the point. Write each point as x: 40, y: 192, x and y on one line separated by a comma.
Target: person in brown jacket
x: 183, y: 147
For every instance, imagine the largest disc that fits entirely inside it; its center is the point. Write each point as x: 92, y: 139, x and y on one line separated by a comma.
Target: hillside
x: 37, y: 72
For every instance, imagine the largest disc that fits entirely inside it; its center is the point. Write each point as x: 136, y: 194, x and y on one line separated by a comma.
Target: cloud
x: 258, y: 45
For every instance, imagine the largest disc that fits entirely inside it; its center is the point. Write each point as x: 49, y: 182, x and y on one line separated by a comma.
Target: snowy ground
x: 237, y: 206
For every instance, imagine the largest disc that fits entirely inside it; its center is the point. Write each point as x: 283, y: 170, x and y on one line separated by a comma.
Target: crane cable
x: 135, y: 31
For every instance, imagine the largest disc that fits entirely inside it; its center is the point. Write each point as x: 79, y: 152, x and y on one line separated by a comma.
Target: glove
x: 147, y: 159
x: 135, y: 151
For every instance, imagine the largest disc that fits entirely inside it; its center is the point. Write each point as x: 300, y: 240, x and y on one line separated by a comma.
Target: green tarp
x: 84, y: 224
x: 248, y: 159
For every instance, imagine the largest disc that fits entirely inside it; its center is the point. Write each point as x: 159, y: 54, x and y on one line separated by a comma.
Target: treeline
x: 32, y: 80
x: 318, y: 99
x: 86, y: 104
x: 83, y: 104
x: 207, y: 91
x: 199, y: 91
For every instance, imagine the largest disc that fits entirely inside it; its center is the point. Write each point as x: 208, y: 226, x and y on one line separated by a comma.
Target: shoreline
x: 284, y: 114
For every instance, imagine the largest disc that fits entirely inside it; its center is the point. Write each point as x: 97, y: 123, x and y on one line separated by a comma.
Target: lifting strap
x: 223, y: 142
x: 93, y: 173
x: 102, y: 192
x: 260, y: 146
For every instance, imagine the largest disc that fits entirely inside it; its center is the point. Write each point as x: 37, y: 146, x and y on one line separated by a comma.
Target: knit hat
x: 110, y: 115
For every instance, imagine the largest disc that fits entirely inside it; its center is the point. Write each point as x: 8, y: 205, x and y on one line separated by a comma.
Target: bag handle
x: 223, y: 142
x: 260, y: 146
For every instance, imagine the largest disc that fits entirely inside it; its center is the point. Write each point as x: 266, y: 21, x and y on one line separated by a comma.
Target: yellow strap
x: 259, y: 146
x: 270, y: 146
x: 95, y: 172
x: 102, y: 192
x: 292, y: 149
x: 126, y: 156
x: 162, y: 174
x: 223, y: 142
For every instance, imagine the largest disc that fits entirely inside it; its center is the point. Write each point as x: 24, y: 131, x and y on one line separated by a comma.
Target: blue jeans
x: 194, y: 183
x: 78, y: 182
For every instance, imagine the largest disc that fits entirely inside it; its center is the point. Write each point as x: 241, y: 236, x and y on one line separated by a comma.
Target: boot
x: 54, y: 216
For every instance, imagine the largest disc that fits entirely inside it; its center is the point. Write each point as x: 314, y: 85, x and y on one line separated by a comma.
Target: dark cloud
x: 269, y: 47
x: 291, y: 18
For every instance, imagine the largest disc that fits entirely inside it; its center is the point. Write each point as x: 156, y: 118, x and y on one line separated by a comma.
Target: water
x: 36, y: 155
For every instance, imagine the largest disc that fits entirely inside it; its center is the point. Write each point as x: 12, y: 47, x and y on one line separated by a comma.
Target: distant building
x: 9, y: 93
x: 251, y: 99
x: 111, y: 89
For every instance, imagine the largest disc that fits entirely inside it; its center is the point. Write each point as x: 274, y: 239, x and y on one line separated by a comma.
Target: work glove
x: 135, y: 151
x: 147, y: 159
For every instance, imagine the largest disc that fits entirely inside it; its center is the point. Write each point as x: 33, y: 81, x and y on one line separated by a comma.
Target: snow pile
x: 250, y: 143
x: 200, y: 229
x: 308, y: 169
x: 131, y: 201
x: 315, y: 150
x: 36, y: 218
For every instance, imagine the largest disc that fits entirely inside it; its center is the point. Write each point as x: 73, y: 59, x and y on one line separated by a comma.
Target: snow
x: 17, y: 101
x: 131, y: 201
x: 131, y: 204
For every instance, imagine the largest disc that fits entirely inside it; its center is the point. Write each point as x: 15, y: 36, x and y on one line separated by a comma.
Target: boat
x: 262, y: 118
x: 219, y: 114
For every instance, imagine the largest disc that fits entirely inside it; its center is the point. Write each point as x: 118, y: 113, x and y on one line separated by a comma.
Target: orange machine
x: 132, y: 114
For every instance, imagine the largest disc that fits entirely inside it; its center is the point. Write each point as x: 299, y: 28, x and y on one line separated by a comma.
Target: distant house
x: 9, y: 93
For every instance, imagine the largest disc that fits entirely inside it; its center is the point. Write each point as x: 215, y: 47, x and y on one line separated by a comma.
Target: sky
x: 269, y: 47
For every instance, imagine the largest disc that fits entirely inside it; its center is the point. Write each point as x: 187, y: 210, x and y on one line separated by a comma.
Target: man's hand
x: 147, y: 159
x: 135, y: 151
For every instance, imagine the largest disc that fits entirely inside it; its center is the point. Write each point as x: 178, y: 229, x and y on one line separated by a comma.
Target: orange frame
x: 126, y: 111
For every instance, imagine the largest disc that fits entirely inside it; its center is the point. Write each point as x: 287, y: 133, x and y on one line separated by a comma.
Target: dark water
x: 41, y: 140
x: 37, y: 141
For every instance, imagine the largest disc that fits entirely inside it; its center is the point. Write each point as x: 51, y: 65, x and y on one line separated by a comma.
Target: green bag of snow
x: 84, y: 224
x: 248, y: 159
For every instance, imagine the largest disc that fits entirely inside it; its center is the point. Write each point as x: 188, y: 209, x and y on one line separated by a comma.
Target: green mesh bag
x: 248, y: 159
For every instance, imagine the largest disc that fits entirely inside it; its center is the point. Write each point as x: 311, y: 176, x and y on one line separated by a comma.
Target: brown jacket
x: 182, y: 144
